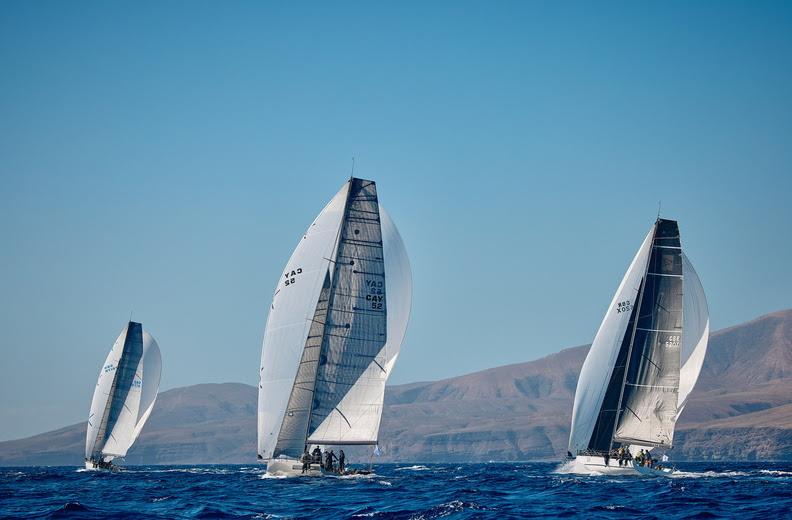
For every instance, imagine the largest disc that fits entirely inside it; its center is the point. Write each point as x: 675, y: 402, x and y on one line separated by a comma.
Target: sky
x: 162, y: 159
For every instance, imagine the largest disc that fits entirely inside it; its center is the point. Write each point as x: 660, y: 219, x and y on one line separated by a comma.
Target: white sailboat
x: 335, y: 327
x: 123, y: 398
x: 644, y: 361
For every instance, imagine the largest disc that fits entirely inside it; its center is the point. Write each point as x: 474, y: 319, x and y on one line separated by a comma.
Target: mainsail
x: 648, y: 405
x: 647, y: 353
x: 124, y: 395
x: 335, y: 328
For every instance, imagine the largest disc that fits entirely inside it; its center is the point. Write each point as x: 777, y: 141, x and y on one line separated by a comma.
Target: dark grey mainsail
x: 356, y: 326
x: 648, y: 405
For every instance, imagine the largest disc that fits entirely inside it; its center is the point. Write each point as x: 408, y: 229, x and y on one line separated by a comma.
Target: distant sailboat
x: 645, y: 359
x: 124, y: 396
x: 335, y: 327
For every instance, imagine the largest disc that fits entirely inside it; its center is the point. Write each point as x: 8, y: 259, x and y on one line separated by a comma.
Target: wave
x: 709, y: 474
x: 416, y: 467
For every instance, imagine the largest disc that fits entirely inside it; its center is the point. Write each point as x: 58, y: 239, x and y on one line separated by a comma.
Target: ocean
x: 494, y: 490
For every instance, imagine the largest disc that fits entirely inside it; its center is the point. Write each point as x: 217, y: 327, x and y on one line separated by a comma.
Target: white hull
x: 588, y: 464
x: 89, y: 466
x: 291, y: 468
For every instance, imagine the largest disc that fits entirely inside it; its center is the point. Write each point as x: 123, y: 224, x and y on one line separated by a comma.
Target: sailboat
x: 124, y: 397
x: 334, y: 330
x: 644, y: 361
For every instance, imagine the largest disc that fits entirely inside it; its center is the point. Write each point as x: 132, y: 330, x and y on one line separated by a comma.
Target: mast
x: 632, y: 341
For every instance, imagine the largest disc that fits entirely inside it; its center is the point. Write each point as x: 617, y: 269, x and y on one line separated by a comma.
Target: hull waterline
x: 292, y: 468
x: 588, y: 464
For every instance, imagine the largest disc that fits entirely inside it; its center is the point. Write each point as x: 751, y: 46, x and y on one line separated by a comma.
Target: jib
x: 291, y: 276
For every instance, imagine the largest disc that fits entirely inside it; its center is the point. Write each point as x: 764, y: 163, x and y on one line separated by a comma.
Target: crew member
x: 317, y: 456
x: 306, y: 460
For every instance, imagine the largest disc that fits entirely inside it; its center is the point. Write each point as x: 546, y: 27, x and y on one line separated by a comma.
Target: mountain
x: 740, y: 409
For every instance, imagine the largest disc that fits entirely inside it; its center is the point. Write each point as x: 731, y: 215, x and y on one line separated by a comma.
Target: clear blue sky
x: 165, y: 157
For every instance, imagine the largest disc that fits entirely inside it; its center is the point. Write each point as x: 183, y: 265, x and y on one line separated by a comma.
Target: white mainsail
x: 124, y: 395
x: 642, y: 365
x: 335, y: 327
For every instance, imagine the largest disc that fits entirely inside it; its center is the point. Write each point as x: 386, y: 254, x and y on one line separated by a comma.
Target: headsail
x: 595, y: 405
x: 131, y: 371
x: 290, y: 319
x: 354, y: 324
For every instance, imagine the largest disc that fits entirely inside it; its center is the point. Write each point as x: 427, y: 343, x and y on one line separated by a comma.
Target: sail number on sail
x: 291, y: 277
x: 624, y: 306
x: 375, y: 295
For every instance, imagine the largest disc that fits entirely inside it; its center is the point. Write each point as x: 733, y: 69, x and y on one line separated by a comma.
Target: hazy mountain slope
x: 741, y: 408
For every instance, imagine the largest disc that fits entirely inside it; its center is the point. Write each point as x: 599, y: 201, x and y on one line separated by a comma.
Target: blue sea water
x: 495, y: 490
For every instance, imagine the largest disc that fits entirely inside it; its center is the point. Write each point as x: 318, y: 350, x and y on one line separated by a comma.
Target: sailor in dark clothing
x: 317, y: 456
x: 306, y: 460
x: 341, y: 462
x: 329, y: 456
